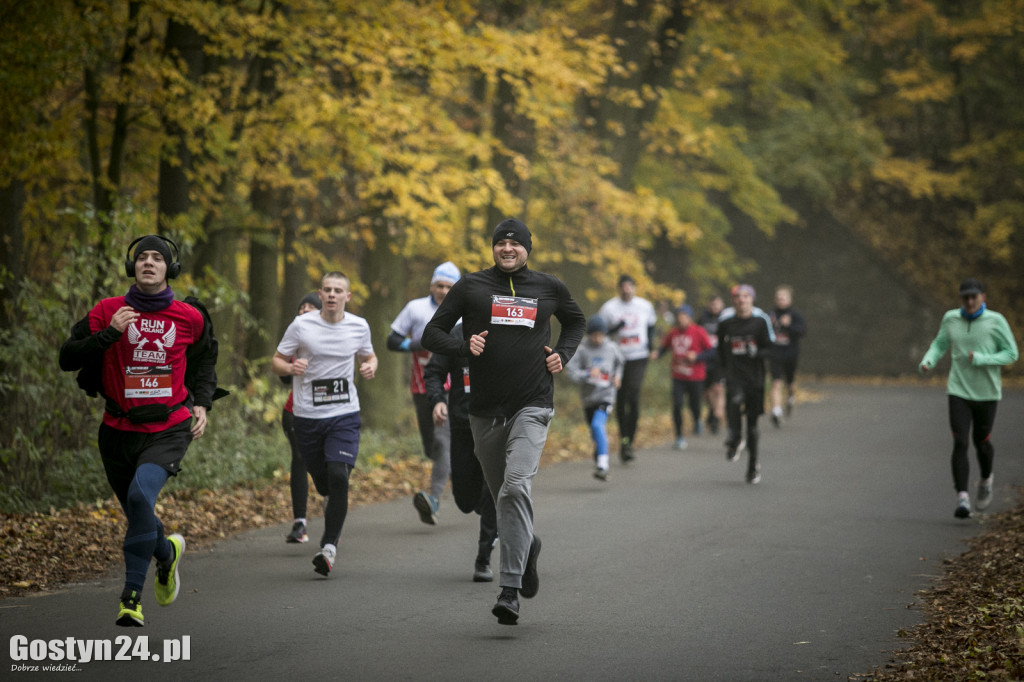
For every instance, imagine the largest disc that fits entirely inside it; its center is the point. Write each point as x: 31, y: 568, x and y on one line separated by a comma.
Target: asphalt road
x: 673, y: 570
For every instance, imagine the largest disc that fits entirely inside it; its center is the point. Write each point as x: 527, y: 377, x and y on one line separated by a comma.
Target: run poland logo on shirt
x: 165, y: 339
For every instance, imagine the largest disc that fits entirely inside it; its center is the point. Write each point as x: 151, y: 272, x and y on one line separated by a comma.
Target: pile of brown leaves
x: 46, y: 550
x: 975, y: 613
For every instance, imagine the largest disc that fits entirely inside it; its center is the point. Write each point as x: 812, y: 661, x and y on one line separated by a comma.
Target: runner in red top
x: 156, y: 359
x: 691, y: 347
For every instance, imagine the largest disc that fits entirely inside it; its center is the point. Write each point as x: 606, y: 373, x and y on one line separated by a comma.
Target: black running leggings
x: 336, y: 508
x: 962, y: 413
x: 299, y: 480
x: 688, y: 390
x: 744, y: 403
x: 627, y: 402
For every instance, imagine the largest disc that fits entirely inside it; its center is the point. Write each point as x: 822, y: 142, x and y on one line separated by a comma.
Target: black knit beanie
x: 312, y: 298
x: 510, y: 228
x: 153, y: 243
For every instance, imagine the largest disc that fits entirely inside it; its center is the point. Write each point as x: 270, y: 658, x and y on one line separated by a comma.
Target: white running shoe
x: 323, y: 562
x: 984, y: 494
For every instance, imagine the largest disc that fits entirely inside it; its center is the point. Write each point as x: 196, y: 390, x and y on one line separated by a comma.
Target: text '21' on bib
x: 330, y: 391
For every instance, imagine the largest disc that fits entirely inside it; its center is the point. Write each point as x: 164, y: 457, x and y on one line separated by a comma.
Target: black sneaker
x: 531, y: 581
x: 298, y: 533
x: 507, y: 607
x: 732, y: 452
x: 626, y: 452
x: 482, y: 572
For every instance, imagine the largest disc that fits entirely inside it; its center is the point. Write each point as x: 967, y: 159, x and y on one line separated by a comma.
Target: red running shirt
x: 147, y: 365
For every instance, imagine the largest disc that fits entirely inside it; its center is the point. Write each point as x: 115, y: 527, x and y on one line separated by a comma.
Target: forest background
x: 867, y: 151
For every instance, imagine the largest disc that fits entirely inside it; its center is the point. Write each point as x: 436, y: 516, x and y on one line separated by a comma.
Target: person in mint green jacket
x: 980, y: 342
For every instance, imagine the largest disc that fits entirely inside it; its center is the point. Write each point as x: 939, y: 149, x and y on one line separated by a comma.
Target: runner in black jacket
x: 469, y: 489
x: 506, y: 312
x: 744, y: 341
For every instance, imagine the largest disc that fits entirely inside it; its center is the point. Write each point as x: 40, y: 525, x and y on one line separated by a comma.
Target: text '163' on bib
x: 514, y: 310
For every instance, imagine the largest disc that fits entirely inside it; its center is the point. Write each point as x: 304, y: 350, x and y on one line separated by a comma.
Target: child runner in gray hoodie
x: 597, y: 368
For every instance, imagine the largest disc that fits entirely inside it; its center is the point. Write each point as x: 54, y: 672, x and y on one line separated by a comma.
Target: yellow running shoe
x: 129, y: 613
x: 167, y: 582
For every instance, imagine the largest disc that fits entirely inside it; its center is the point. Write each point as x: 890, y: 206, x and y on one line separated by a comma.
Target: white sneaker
x: 680, y: 444
x: 323, y: 562
x: 984, y: 494
x: 963, y: 508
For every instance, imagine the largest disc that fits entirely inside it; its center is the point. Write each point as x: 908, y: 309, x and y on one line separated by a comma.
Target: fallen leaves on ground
x: 975, y: 613
x: 44, y: 551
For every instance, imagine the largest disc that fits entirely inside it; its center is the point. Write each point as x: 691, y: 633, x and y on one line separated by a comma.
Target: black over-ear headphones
x: 173, y: 268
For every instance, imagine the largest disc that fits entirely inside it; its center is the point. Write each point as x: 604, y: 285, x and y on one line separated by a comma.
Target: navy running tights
x: 144, y: 538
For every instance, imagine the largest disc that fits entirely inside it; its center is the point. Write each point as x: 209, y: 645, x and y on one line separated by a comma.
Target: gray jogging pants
x: 509, y: 452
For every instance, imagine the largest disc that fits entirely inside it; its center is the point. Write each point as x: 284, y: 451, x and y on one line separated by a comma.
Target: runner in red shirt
x: 156, y: 359
x: 691, y: 347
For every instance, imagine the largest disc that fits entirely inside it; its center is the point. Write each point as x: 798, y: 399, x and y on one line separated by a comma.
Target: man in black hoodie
x: 506, y: 312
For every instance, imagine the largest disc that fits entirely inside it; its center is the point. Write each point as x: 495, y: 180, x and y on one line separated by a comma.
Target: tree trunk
x: 267, y: 201
x: 264, y: 291
x: 105, y: 189
x: 218, y: 254
x: 650, y: 52
x: 387, y: 396
x: 297, y: 282
x: 12, y: 201
x: 182, y: 43
x: 517, y: 133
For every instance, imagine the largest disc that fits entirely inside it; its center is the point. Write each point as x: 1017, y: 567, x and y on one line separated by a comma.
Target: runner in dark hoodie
x: 506, y: 312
